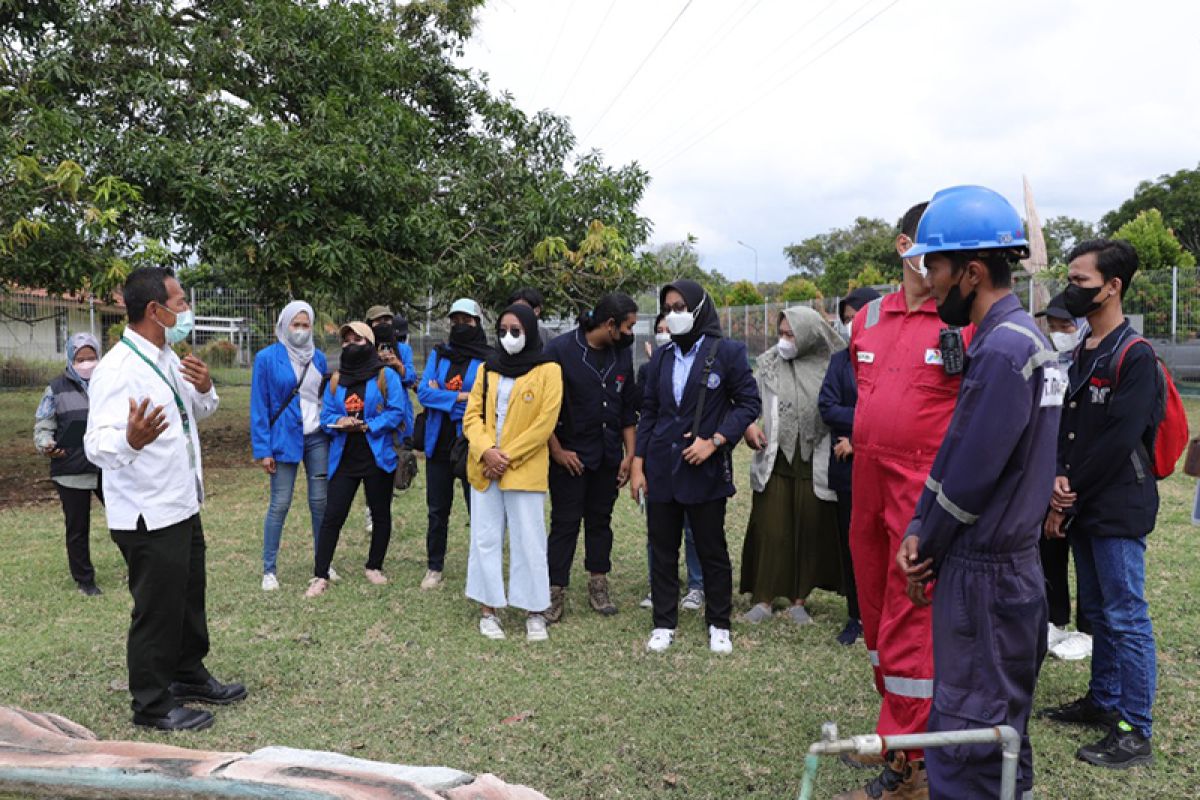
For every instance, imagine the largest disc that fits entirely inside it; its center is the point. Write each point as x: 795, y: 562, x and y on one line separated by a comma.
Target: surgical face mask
x: 1064, y: 342
x: 85, y: 368
x: 184, y: 322
x: 662, y: 339
x: 299, y: 337
x: 680, y: 323
x: 787, y: 348
x: 513, y: 344
x: 1081, y: 300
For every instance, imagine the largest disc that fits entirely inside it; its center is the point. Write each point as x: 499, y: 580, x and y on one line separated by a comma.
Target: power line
x: 722, y: 33
x: 586, y: 53
x: 537, y: 89
x: 653, y: 49
x: 776, y: 86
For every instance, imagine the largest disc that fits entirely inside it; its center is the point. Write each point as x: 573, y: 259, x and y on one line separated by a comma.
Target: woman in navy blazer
x: 285, y: 426
x: 682, y: 472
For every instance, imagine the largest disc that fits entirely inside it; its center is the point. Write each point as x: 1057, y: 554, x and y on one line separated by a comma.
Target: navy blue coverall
x: 980, y: 519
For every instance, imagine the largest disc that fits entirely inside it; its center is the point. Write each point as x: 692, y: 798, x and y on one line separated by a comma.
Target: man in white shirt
x: 142, y: 433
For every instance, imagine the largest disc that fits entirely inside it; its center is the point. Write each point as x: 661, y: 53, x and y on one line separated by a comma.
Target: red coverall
x: 905, y: 401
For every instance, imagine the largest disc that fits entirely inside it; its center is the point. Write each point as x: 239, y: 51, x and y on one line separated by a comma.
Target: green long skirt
x: 791, y: 544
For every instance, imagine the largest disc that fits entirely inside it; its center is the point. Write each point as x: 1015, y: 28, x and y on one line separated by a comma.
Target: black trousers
x: 665, y: 524
x: 844, y: 505
x: 1056, y: 556
x: 586, y: 498
x: 77, y: 510
x: 342, y: 489
x: 168, y: 634
x: 439, y: 497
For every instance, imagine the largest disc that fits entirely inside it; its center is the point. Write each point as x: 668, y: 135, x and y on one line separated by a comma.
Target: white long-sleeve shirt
x: 160, y: 482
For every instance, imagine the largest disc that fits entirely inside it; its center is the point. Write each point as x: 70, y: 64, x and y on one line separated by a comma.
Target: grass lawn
x: 394, y: 674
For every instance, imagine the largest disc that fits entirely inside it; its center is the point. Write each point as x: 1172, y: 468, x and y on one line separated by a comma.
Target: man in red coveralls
x: 905, y: 401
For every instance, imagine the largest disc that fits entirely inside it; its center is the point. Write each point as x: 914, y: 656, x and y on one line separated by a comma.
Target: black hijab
x: 514, y: 366
x: 707, y: 322
x: 459, y: 350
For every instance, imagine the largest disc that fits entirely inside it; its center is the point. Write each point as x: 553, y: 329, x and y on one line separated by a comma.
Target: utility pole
x: 752, y: 250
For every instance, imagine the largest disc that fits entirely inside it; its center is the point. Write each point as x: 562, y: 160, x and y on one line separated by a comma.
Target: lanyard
x: 187, y: 429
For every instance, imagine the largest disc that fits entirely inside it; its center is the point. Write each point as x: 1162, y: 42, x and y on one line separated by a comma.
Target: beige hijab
x: 797, y: 381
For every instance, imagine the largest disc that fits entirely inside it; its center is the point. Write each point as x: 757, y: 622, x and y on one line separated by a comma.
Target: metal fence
x: 231, y: 326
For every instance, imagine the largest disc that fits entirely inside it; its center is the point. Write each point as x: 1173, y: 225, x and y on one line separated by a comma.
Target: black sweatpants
x: 77, y: 511
x: 586, y: 498
x: 342, y: 489
x: 665, y: 524
x: 1056, y: 557
x: 439, y: 497
x: 168, y: 633
x: 845, y: 503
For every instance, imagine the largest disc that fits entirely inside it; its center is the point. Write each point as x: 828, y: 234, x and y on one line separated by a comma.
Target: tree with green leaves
x: 1062, y: 233
x: 329, y: 149
x: 1158, y: 250
x: 679, y: 260
x: 799, y: 290
x: 1175, y: 196
x: 743, y: 293
x: 833, y: 259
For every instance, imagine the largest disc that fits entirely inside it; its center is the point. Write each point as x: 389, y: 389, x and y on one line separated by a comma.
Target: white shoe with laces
x: 1075, y: 646
x: 1055, y: 634
x: 489, y: 626
x: 432, y: 580
x: 693, y: 600
x: 535, y: 628
x: 660, y: 639
x: 269, y: 582
x: 718, y: 640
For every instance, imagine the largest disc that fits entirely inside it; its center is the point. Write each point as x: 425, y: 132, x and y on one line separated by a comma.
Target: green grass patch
x: 395, y: 674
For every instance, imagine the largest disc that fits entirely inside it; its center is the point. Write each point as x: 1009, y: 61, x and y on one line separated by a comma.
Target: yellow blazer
x: 532, y: 415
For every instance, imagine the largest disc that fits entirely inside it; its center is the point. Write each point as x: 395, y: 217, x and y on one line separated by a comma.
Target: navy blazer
x: 732, y: 404
x: 838, y: 397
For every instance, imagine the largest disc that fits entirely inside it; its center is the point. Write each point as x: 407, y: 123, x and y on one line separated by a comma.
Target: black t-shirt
x: 357, y: 459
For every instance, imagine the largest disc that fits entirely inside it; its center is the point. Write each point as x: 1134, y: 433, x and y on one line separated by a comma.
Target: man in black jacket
x: 1105, y: 494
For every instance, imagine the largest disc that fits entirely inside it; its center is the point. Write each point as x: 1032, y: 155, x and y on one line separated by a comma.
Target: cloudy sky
x: 767, y: 121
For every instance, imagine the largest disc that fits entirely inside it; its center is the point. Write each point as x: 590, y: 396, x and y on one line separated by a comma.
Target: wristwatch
x: 718, y: 440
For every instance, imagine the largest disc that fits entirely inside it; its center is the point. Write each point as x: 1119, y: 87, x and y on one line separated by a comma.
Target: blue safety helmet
x: 968, y: 218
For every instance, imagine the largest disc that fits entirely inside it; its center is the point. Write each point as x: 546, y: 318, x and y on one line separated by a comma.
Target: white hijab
x: 299, y: 356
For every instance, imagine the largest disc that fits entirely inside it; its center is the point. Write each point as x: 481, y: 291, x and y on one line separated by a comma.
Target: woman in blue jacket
x: 285, y: 425
x: 683, y: 470
x: 443, y: 391
x: 363, y: 408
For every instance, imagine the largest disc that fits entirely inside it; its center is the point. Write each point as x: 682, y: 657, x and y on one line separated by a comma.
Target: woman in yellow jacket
x: 509, y: 419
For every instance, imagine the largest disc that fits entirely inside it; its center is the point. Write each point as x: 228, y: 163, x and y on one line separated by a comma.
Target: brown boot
x: 863, y: 760
x: 598, y: 595
x: 558, y: 599
x: 900, y: 780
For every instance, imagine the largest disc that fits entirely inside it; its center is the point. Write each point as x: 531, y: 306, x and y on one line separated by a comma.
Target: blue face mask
x: 184, y: 322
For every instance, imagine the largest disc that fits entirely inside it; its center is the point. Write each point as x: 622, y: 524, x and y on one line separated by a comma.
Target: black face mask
x: 461, y: 333
x: 625, y: 342
x: 955, y: 309
x: 1081, y: 300
x: 384, y: 334
x: 354, y: 355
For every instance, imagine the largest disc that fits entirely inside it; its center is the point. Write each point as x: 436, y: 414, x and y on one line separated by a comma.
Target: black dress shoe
x: 89, y: 589
x: 1083, y: 711
x: 179, y: 719
x: 1122, y: 748
x: 215, y: 692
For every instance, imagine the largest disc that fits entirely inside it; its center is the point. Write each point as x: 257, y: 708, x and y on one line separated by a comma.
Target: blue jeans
x: 695, y: 575
x: 1112, y: 575
x: 316, y: 470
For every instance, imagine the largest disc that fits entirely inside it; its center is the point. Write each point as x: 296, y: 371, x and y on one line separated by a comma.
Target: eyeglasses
x: 515, y: 332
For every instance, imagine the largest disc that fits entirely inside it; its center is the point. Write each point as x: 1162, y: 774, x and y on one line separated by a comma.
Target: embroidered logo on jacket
x: 1100, y: 389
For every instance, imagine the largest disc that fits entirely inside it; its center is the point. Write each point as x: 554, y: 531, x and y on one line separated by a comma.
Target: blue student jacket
x: 733, y: 404
x: 442, y: 404
x: 270, y: 387
x: 405, y: 354
x: 383, y: 420
x: 838, y: 397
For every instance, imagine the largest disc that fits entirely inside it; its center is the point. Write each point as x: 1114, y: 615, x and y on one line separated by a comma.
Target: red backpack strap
x: 1125, y: 352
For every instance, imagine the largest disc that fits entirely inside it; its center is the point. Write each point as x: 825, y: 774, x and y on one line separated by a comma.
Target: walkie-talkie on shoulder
x: 950, y: 342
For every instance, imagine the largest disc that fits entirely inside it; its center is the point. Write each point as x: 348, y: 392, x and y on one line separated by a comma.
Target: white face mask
x: 787, y: 348
x: 680, y: 322
x: 1064, y: 342
x: 513, y: 344
x: 84, y: 369
x: 299, y: 337
x: 662, y: 339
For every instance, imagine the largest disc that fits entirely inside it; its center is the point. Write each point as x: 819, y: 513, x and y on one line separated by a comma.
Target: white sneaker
x: 333, y: 576
x: 489, y: 626
x: 269, y: 582
x: 718, y: 640
x: 647, y: 602
x: 693, y: 600
x: 1075, y: 647
x: 432, y: 579
x: 1055, y: 634
x: 660, y: 639
x: 535, y: 628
